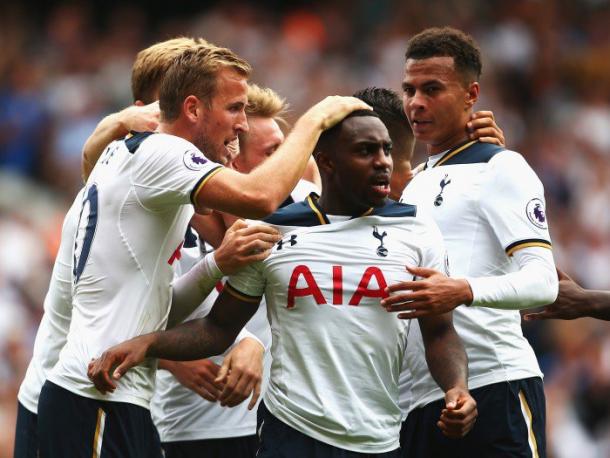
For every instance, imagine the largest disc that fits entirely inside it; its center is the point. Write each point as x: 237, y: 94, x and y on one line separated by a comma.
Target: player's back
x: 132, y: 222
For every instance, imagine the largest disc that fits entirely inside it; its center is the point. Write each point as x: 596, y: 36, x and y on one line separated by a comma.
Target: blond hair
x: 152, y: 64
x: 265, y: 103
x: 194, y: 72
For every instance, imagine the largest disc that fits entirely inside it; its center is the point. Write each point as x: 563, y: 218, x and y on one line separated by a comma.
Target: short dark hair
x: 329, y: 136
x: 448, y: 42
x: 385, y: 102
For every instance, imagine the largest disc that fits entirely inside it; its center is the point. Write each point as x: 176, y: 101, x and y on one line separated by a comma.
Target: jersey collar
x: 312, y: 201
x: 452, y: 152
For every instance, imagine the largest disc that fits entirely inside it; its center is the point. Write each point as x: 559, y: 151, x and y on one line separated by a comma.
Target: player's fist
x: 459, y: 415
x: 114, y: 362
x: 333, y: 109
x: 141, y: 118
x: 244, y: 244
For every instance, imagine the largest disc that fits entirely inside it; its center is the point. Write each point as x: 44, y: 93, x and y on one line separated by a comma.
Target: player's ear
x: 191, y: 109
x: 139, y: 103
x: 325, y: 162
x: 472, y: 94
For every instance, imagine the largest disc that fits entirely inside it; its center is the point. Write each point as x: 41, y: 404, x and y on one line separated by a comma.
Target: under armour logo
x: 381, y: 250
x: 292, y: 240
x: 439, y: 199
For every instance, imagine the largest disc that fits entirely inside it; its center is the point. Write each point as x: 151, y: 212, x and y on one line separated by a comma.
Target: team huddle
x: 223, y: 291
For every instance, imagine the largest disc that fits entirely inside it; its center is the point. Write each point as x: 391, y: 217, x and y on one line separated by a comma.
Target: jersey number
x: 85, y: 232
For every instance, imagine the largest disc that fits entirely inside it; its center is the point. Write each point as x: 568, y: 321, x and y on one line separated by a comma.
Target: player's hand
x: 233, y: 150
x: 198, y: 376
x: 459, y: 415
x: 435, y: 294
x: 141, y: 118
x: 333, y: 109
x: 482, y: 126
x: 569, y: 303
x: 114, y: 362
x: 242, y: 373
x: 243, y: 245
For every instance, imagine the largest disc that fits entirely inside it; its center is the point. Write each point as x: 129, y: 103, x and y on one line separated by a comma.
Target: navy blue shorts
x: 74, y: 426
x: 511, y: 423
x: 26, y: 433
x: 234, y: 447
x: 278, y: 440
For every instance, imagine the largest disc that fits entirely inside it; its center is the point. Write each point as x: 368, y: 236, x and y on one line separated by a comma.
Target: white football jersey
x: 134, y: 214
x: 487, y: 202
x: 336, y: 353
x: 179, y: 413
x: 55, y: 322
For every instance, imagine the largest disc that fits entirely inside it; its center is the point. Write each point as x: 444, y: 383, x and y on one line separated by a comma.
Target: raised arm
x: 448, y: 366
x: 139, y: 118
x: 262, y: 191
x: 241, y: 246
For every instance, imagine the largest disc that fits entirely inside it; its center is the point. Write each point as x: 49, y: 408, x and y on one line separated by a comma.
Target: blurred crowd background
x: 546, y: 76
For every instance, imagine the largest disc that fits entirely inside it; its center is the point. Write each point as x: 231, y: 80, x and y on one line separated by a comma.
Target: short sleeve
x: 248, y: 284
x: 169, y: 171
x: 513, y: 203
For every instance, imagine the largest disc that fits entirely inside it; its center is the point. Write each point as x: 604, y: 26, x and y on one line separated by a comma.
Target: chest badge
x: 439, y: 198
x: 381, y: 250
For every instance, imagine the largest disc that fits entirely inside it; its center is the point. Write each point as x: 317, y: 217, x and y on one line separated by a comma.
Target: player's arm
x: 188, y: 341
x: 574, y: 302
x: 229, y: 383
x: 261, y: 192
x: 139, y: 118
x: 242, y: 245
x: 448, y: 366
x: 482, y: 126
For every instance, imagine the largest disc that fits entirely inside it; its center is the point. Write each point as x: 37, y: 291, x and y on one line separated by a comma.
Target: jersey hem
x: 111, y: 397
x: 27, y: 404
x: 223, y: 433
x: 373, y: 448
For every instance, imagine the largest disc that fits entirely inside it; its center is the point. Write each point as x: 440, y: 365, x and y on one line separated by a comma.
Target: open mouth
x: 381, y: 186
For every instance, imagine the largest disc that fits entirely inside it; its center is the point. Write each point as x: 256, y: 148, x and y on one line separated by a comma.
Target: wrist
x: 251, y: 340
x: 467, y: 296
x: 121, y: 122
x: 216, y: 269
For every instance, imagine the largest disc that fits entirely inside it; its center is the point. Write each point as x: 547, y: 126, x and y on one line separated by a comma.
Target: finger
x: 237, y: 225
x: 223, y: 373
x: 544, y: 315
x: 253, y: 245
x: 242, y: 390
x: 260, y: 229
x: 423, y: 272
x: 411, y: 302
x: 561, y: 275
x: 482, y: 114
x: 229, y: 388
x: 404, y: 297
x: 256, y: 394
x: 204, y: 393
x: 490, y: 140
x: 418, y: 314
x: 122, y: 368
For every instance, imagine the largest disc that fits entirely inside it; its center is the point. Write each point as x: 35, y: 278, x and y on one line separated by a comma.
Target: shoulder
x: 395, y: 209
x: 510, y: 165
x: 297, y: 214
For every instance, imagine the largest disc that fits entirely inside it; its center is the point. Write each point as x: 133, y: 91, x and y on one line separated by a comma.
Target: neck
x: 447, y: 144
x: 175, y: 128
x: 331, y: 203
